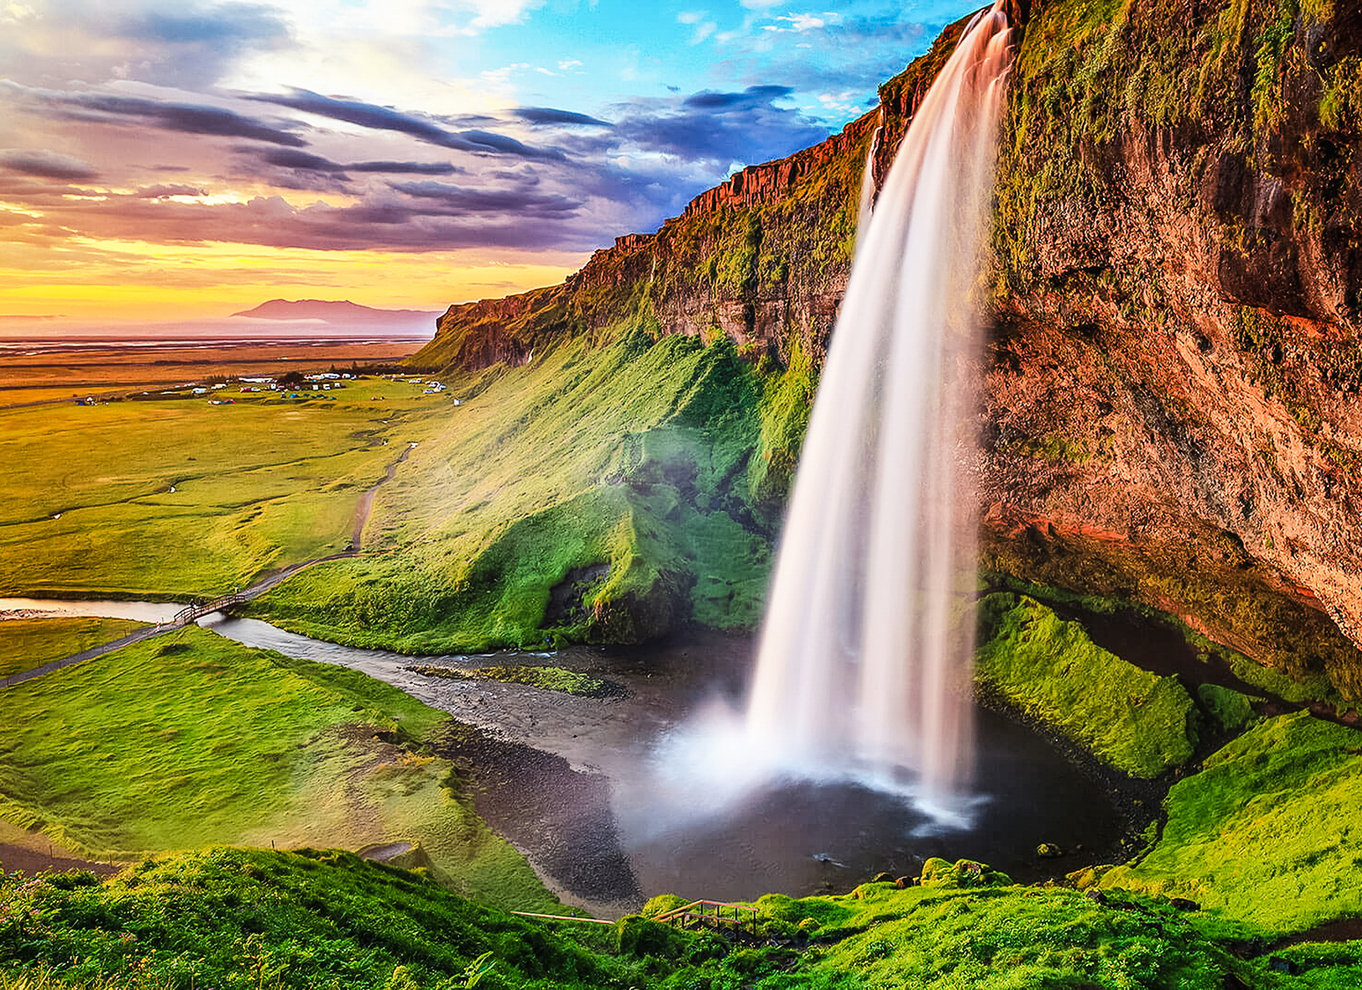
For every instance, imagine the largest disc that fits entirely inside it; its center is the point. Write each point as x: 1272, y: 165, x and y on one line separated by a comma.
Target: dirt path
x: 81, y: 657
x: 366, y: 501
x: 33, y: 852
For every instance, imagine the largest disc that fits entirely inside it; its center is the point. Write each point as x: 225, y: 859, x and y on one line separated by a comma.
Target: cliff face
x: 1176, y: 305
x: 1173, y: 397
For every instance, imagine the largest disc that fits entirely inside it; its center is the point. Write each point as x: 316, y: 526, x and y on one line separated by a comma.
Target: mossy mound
x: 1135, y: 721
x: 1269, y: 832
x: 961, y: 874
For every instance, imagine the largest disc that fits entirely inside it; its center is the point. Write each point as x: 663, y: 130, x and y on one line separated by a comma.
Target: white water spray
x: 866, y: 653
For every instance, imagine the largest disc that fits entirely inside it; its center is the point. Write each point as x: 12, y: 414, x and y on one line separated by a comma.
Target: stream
x: 580, y: 786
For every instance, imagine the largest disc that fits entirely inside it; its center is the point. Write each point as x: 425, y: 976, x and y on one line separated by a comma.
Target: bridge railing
x: 713, y: 913
x: 191, y: 612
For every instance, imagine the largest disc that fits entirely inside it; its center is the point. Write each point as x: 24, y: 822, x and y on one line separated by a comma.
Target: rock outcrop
x: 1176, y: 305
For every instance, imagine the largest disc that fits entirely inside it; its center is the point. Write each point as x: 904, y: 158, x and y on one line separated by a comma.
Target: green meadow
x: 29, y: 643
x: 181, y: 498
x: 190, y: 739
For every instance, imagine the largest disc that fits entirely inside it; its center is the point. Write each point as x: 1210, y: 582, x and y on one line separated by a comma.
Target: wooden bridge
x: 711, y: 914
x: 189, y: 613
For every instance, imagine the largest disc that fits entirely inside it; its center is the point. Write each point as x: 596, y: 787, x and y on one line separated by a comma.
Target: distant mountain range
x: 342, y: 313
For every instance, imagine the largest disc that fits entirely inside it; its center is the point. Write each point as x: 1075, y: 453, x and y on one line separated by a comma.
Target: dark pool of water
x: 806, y: 837
x: 567, y: 780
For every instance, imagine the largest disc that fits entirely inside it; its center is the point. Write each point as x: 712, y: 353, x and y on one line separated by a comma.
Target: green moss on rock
x: 1269, y: 833
x: 1137, y: 722
x: 1230, y: 709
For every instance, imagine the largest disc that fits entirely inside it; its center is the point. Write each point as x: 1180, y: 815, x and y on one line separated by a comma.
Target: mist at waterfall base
x: 864, y: 668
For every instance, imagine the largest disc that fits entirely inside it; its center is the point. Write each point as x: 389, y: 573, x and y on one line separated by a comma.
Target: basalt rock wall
x: 1175, y: 353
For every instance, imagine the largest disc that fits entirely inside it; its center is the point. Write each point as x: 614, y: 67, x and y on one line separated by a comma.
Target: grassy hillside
x: 190, y: 739
x: 607, y: 493
x: 1269, y: 832
x: 234, y: 918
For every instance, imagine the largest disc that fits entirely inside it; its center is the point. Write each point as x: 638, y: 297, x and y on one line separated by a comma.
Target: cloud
x: 185, y: 118
x: 388, y: 119
x: 698, y: 20
x: 718, y: 128
x: 194, y: 44
x: 47, y: 165
x: 803, y: 22
x: 189, y: 43
x: 752, y: 96
x: 166, y: 190
x: 496, y: 13
x: 517, y: 202
x: 408, y: 168
x: 218, y: 25
x: 307, y: 162
x: 548, y: 115
x: 396, y: 223
x: 292, y: 158
x: 857, y: 50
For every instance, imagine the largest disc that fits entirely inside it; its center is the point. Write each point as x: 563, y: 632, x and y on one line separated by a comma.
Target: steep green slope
x: 1049, y: 669
x: 599, y: 493
x: 1269, y: 832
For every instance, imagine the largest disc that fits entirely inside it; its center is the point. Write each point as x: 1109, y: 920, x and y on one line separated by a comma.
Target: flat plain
x: 191, y: 495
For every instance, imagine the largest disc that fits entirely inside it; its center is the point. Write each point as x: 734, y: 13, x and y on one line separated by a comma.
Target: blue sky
x: 174, y: 154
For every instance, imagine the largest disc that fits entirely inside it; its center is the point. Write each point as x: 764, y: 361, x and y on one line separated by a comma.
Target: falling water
x: 866, y: 652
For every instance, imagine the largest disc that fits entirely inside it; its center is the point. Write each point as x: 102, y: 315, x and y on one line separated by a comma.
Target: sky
x: 171, y: 161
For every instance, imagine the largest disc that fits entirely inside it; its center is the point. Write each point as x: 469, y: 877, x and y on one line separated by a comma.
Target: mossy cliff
x: 1177, y: 256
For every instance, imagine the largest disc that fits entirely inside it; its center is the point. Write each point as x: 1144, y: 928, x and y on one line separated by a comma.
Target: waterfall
x: 865, y: 662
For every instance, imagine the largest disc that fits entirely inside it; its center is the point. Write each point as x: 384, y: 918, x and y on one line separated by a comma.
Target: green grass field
x: 257, y: 484
x: 29, y: 643
x: 189, y: 739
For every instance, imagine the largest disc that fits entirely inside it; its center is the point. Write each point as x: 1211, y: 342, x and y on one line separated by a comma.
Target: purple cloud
x: 47, y: 165
x: 369, y: 115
